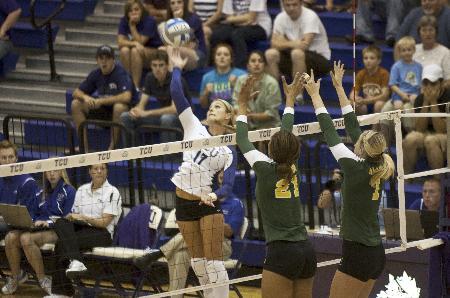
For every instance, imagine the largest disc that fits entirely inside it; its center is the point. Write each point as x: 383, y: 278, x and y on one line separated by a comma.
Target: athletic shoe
x: 13, y: 282
x: 150, y: 257
x: 46, y: 285
x: 57, y: 296
x: 76, y: 269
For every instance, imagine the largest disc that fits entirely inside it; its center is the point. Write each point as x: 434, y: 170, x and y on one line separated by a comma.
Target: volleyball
x: 175, y: 32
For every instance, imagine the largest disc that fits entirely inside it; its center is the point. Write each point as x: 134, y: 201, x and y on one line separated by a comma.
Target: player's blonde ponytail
x: 373, y: 144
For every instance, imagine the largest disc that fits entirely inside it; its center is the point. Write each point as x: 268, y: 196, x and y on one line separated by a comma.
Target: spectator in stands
x: 264, y: 108
x: 405, y: 77
x: 175, y: 250
x: 298, y: 50
x: 195, y: 49
x: 105, y: 94
x: 371, y: 87
x: 437, y: 8
x: 95, y: 213
x: 17, y: 189
x: 429, y: 135
x: 391, y: 10
x: 210, y: 12
x: 245, y: 23
x: 157, y: 9
x: 219, y: 82
x: 157, y: 84
x: 9, y: 14
x: 137, y: 39
x: 430, y: 51
x: 330, y: 199
x: 431, y: 196
x: 56, y: 201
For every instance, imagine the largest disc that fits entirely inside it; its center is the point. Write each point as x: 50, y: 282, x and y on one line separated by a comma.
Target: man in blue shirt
x: 9, y: 14
x: 431, y: 196
x: 175, y: 250
x: 106, y: 93
x: 19, y: 189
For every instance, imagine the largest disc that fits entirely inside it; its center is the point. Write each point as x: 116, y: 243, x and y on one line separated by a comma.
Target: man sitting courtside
x: 431, y: 196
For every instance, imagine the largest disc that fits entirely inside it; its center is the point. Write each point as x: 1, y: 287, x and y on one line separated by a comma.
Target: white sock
x: 218, y: 274
x: 199, y: 267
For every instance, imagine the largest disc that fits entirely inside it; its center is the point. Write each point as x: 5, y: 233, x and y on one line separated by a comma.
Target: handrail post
x: 51, y: 54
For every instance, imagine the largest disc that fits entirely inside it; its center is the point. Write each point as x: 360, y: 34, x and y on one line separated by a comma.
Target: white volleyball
x: 174, y: 32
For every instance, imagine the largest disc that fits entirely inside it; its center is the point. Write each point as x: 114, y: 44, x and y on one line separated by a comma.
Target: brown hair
x: 284, y: 149
x: 223, y: 45
x: 159, y: 55
x: 372, y: 49
x: 427, y: 20
x: 6, y: 144
x: 370, y: 146
x: 130, y: 4
x: 186, y: 12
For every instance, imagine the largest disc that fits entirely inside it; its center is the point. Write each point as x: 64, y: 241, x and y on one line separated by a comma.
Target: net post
x: 400, y: 177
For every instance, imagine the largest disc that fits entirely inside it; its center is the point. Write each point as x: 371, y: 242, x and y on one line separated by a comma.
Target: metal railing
x: 47, y: 22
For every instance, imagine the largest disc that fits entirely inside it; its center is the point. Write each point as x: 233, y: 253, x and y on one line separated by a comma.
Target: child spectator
x: 210, y: 12
x: 219, y: 82
x: 406, y: 74
x: 195, y: 50
x: 371, y: 87
x: 137, y: 40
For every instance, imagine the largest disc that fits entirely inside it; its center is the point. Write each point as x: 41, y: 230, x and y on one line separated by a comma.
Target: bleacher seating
x: 8, y: 63
x: 25, y: 35
x: 76, y: 10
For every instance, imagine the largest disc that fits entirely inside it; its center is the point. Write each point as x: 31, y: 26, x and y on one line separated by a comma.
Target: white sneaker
x: 46, y: 285
x: 57, y: 296
x: 13, y: 282
x: 76, y: 269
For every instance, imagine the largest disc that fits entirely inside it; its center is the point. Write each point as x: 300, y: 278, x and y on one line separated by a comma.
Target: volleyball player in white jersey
x: 199, y: 215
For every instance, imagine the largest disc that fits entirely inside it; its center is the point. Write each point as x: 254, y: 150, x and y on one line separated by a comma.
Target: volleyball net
x: 142, y: 175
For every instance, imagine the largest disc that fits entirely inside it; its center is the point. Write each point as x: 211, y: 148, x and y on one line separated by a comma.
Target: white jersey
x: 195, y: 175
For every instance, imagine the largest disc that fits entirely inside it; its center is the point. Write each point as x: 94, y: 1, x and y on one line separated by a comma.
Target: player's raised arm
x: 245, y: 95
x: 290, y: 92
x: 350, y: 120
x: 176, y: 86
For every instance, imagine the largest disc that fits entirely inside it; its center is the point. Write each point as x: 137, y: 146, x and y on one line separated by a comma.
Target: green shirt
x: 360, y: 200
x: 268, y: 101
x: 278, y: 202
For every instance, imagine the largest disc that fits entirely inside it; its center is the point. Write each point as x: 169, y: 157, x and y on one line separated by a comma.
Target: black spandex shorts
x: 317, y: 62
x: 293, y: 260
x: 188, y: 210
x: 361, y: 261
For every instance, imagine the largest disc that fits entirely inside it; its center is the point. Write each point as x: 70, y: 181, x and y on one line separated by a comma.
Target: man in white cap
x: 429, y: 136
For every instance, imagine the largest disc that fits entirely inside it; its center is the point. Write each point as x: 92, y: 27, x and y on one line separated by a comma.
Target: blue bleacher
x: 8, y: 63
x: 76, y: 10
x: 25, y: 35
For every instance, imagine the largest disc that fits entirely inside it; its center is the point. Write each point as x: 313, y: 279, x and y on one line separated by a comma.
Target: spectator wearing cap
x: 429, y: 135
x: 437, y: 8
x: 105, y: 94
x: 430, y: 51
x: 431, y: 196
x: 138, y: 39
x: 9, y: 14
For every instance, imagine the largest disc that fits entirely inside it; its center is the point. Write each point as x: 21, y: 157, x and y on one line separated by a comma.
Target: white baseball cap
x: 432, y: 73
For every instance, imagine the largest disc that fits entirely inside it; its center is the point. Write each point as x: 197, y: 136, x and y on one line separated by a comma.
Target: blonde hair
x: 46, y: 185
x: 229, y: 108
x: 405, y: 41
x: 370, y: 146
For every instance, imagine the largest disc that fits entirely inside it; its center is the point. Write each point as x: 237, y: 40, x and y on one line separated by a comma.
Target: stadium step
x: 62, y: 64
x: 88, y: 35
x: 113, y: 7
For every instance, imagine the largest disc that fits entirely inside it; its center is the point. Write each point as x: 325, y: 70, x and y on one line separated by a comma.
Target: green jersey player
x: 365, y: 171
x: 290, y: 262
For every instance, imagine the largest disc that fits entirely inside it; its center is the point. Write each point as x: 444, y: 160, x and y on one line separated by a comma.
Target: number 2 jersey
x: 278, y: 201
x: 195, y: 175
x: 360, y: 200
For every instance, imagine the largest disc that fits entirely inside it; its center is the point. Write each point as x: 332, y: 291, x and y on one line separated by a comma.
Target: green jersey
x: 360, y: 200
x: 278, y: 201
